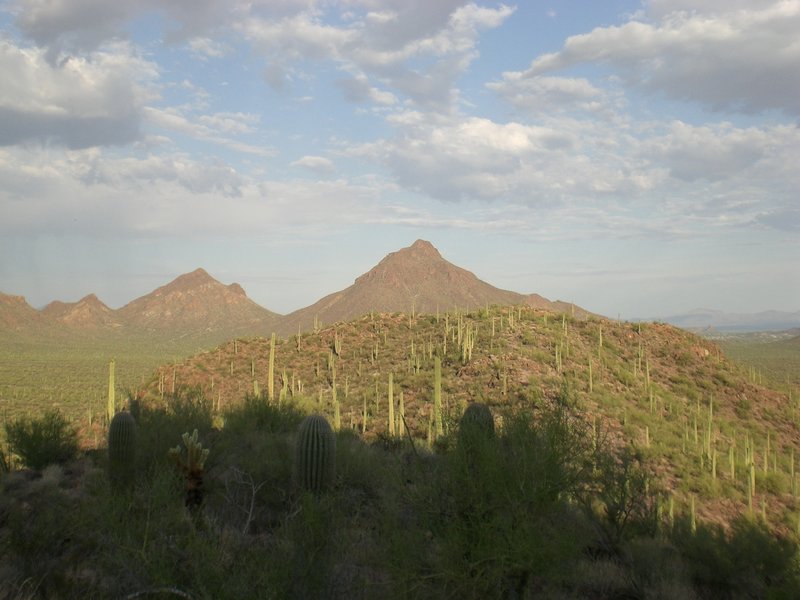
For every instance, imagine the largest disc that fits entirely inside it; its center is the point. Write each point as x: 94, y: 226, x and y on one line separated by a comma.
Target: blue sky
x: 637, y: 158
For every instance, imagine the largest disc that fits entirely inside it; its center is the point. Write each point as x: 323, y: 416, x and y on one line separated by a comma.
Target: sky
x: 638, y: 158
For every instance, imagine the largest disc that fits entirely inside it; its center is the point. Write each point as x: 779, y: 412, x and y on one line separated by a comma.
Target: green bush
x: 5, y: 463
x: 748, y: 562
x: 508, y: 520
x: 42, y: 441
x: 161, y: 427
x: 256, y: 413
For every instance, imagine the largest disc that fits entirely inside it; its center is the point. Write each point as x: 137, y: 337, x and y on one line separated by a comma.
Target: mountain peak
x: 413, y: 279
x: 92, y: 300
x: 195, y: 278
x: 423, y: 247
x: 195, y: 301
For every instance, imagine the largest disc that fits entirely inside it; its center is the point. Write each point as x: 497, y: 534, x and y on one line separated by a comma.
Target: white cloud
x: 89, y: 192
x: 228, y: 122
x: 204, y: 47
x: 709, y: 152
x: 67, y: 27
x: 416, y: 48
x: 216, y: 128
x: 413, y: 48
x: 560, y: 160
x: 542, y: 95
x: 357, y: 89
x: 317, y: 164
x: 740, y: 56
x: 78, y: 103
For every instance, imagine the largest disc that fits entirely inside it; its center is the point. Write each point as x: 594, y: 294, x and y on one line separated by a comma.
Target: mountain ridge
x: 414, y: 279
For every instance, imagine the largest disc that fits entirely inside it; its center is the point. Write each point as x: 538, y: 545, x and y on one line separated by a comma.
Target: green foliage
x: 748, y: 562
x: 159, y: 426
x: 496, y: 518
x: 623, y: 504
x: 38, y: 442
x: 315, y: 455
x: 504, y: 496
x: 122, y: 451
x: 256, y: 413
x: 5, y: 462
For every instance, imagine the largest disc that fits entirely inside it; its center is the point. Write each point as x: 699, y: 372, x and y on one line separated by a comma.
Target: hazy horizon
x: 637, y: 158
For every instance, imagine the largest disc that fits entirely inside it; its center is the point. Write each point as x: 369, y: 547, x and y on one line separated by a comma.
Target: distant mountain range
x: 707, y: 319
x: 195, y: 305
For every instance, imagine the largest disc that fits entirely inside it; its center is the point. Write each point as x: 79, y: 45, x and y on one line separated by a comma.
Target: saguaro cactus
x: 477, y: 420
x: 437, y: 396
x: 122, y: 451
x: 111, y: 408
x: 271, y: 374
x: 391, y: 405
x: 315, y: 455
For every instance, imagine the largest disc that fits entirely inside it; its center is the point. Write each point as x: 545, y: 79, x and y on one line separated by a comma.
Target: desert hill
x: 664, y: 391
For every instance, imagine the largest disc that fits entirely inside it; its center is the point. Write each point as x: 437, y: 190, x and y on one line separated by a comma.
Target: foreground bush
x: 38, y: 442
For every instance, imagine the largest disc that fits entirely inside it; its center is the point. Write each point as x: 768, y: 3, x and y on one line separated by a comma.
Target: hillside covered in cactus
x: 713, y: 436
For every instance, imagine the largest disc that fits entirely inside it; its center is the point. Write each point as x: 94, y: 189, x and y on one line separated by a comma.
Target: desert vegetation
x: 534, y: 508
x: 505, y: 452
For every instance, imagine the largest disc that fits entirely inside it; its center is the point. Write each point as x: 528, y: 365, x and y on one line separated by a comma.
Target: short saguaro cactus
x: 315, y: 455
x: 122, y: 451
x: 477, y: 421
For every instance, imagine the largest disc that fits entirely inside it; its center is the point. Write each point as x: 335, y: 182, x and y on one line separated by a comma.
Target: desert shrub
x: 256, y: 413
x: 161, y: 428
x: 42, y: 537
x: 5, y: 462
x: 42, y: 441
x: 508, y: 521
x: 774, y: 483
x: 622, y: 500
x: 656, y: 570
x: 749, y: 562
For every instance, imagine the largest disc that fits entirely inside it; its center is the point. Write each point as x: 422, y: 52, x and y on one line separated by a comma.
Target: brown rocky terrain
x: 16, y: 314
x: 88, y: 312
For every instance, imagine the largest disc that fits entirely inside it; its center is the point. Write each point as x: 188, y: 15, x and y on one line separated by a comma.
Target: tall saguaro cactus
x: 391, y: 404
x: 111, y: 409
x: 271, y: 374
x: 437, y: 396
x: 315, y: 454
